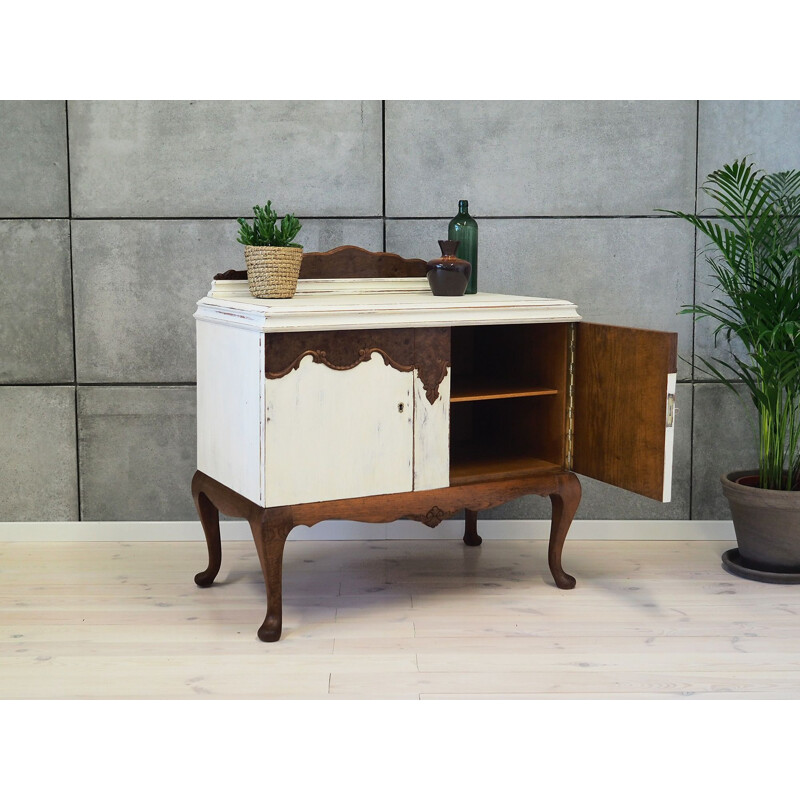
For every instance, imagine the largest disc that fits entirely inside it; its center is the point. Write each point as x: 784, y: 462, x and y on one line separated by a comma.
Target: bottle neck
x: 463, y: 207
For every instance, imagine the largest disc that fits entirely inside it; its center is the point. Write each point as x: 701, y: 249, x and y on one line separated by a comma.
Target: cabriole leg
x: 209, y: 519
x: 565, y: 502
x: 471, y: 537
x: 270, y: 530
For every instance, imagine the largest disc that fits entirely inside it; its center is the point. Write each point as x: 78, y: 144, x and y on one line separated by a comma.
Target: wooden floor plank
x: 565, y: 682
x: 573, y: 646
x: 54, y: 680
x: 247, y: 645
x: 445, y: 626
x: 594, y: 661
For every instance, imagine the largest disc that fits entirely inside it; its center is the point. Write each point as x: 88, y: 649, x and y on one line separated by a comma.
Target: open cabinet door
x: 624, y: 395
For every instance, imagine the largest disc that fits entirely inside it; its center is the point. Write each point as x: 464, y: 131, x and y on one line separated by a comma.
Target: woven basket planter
x: 272, y: 271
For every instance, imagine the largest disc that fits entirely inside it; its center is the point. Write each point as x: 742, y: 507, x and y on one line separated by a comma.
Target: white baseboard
x: 239, y: 530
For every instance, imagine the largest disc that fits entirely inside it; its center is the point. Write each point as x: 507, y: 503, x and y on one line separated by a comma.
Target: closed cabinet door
x: 340, y: 416
x: 332, y: 434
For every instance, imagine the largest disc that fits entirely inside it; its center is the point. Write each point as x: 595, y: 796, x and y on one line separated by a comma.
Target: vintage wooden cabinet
x: 366, y: 398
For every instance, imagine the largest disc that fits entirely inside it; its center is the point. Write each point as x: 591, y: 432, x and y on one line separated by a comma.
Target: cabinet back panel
x: 534, y: 354
x: 524, y: 425
x: 511, y: 356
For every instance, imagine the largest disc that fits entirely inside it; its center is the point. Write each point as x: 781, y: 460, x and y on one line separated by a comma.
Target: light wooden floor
x: 397, y: 619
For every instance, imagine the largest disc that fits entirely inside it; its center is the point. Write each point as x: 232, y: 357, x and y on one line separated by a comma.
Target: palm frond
x: 753, y: 252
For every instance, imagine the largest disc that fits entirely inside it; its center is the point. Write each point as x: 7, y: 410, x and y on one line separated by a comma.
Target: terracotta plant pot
x: 767, y: 526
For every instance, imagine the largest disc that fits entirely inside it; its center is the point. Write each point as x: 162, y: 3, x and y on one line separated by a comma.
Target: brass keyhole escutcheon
x: 401, y: 407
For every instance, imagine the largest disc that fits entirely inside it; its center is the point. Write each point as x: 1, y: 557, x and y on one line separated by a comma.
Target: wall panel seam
x: 694, y: 300
x: 231, y: 218
x: 72, y: 304
x: 383, y: 170
x: 538, y: 216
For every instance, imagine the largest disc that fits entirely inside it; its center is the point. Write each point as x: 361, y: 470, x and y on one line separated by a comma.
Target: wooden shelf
x: 483, y: 389
x: 475, y: 465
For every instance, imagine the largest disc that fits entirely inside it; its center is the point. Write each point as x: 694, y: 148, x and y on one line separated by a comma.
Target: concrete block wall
x: 115, y: 215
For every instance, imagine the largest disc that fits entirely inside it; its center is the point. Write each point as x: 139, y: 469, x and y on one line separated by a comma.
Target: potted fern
x: 754, y: 255
x: 270, y: 254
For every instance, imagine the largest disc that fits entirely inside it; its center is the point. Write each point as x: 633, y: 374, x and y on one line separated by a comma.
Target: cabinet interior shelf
x: 472, y: 465
x: 492, y: 390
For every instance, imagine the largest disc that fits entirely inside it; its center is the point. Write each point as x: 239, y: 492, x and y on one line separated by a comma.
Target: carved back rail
x: 348, y: 261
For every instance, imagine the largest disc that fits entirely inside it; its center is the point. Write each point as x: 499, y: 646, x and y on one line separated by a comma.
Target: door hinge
x: 569, y: 454
x: 670, y: 410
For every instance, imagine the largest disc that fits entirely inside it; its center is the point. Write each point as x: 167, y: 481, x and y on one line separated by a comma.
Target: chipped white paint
x: 431, y: 437
x: 333, y: 434
x: 230, y: 379
x: 669, y: 440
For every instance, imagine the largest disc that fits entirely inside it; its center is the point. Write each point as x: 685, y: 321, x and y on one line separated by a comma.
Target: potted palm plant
x: 754, y: 255
x: 272, y: 257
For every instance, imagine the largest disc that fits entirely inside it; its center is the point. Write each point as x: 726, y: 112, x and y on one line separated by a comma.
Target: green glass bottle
x: 464, y: 229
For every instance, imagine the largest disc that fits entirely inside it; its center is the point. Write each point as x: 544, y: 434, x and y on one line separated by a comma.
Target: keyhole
x: 400, y: 407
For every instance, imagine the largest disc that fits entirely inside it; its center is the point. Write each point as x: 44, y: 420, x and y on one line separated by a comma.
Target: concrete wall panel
x: 33, y: 159
x: 35, y: 302
x: 539, y: 158
x: 219, y: 158
x: 38, y: 459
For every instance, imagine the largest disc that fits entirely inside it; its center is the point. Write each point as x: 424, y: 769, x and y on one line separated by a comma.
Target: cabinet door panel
x: 338, y: 433
x: 622, y: 434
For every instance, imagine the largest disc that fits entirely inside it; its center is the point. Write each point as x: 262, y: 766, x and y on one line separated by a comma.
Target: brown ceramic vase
x: 448, y: 275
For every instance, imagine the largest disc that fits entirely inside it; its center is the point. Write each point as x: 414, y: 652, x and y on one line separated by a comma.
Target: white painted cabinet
x: 342, y: 394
